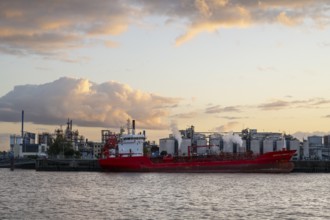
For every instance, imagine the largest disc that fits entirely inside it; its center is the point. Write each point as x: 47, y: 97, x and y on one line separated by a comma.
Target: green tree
x: 77, y: 154
x: 60, y: 146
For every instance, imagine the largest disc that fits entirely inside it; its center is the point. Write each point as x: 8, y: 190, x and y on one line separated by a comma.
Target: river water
x: 27, y: 194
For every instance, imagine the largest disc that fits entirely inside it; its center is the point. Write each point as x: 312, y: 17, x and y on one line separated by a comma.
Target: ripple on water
x: 28, y: 194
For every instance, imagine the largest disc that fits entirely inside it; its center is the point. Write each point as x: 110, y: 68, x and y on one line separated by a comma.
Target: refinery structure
x: 179, y: 143
x: 209, y: 143
x: 312, y: 148
x: 32, y: 145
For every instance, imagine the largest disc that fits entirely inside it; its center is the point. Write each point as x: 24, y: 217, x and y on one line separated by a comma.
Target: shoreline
x: 92, y: 165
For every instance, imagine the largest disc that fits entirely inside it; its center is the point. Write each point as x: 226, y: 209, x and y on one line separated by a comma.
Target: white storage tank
x: 215, y: 141
x: 268, y: 145
x: 186, y: 142
x: 315, y: 140
x: 228, y: 147
x: 255, y: 146
x: 306, y: 149
x: 295, y: 145
x: 243, y: 144
x: 214, y: 149
x: 281, y: 144
x: 241, y: 149
x: 201, y: 146
x: 168, y: 145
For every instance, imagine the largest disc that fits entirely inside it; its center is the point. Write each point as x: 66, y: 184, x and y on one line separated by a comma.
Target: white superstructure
x: 131, y: 145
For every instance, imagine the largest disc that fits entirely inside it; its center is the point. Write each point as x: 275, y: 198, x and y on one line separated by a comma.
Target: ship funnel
x: 133, y: 126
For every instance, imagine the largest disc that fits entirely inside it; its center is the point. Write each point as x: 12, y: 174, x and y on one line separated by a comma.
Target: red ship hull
x: 271, y: 162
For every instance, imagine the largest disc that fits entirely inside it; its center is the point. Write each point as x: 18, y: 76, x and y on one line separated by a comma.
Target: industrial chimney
x: 133, y: 126
x: 22, y: 123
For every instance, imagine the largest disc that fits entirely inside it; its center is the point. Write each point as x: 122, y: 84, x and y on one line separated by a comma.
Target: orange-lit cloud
x: 110, y: 44
x: 212, y: 15
x: 50, y: 28
x: 108, y: 104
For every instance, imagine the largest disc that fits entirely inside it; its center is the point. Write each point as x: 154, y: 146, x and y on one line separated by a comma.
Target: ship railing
x: 207, y: 157
x: 122, y: 155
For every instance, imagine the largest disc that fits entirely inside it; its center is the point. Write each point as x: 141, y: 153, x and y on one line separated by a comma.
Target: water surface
x: 27, y: 194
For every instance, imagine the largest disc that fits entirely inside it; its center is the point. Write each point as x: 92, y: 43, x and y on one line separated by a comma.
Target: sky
x: 220, y: 65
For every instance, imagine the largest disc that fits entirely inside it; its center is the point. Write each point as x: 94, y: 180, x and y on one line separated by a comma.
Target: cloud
x: 275, y: 105
x: 107, y: 104
x: 324, y: 44
x: 320, y: 101
x: 186, y: 115
x: 232, y: 118
x: 284, y: 104
x: 266, y: 68
x: 52, y: 28
x: 227, y: 127
x: 111, y: 44
x: 303, y: 135
x: 49, y: 28
x: 211, y: 15
x: 219, y: 109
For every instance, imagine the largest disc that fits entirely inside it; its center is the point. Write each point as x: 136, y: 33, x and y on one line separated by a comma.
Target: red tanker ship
x: 124, y: 153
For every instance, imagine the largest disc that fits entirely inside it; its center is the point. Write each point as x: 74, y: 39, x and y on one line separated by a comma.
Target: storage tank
x: 168, y: 145
x: 242, y: 149
x: 228, y: 147
x: 215, y: 141
x: 295, y: 145
x: 306, y: 149
x: 281, y: 144
x: 244, y: 144
x: 186, y: 142
x: 214, y: 149
x: 268, y: 145
x: 315, y: 140
x: 255, y: 146
x: 200, y: 143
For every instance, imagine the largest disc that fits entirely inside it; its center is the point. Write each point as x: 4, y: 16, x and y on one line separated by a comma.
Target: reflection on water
x: 26, y: 194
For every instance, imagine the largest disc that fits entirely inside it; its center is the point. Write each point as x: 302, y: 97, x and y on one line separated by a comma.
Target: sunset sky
x: 221, y: 65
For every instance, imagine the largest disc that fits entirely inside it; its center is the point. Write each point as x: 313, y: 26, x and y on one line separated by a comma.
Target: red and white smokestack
x: 133, y: 126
